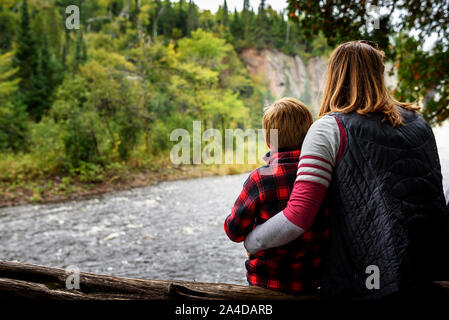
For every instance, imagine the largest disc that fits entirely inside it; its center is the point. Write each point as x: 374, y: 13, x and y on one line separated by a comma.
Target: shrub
x: 13, y: 128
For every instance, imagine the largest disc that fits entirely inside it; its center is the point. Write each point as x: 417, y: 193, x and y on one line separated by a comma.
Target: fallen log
x: 22, y: 280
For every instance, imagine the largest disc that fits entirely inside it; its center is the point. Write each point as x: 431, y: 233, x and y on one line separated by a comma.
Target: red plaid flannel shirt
x: 294, y: 267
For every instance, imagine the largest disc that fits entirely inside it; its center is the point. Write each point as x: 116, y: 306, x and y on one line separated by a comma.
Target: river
x: 173, y: 230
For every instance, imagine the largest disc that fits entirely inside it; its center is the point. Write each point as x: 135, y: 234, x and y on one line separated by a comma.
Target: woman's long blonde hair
x: 355, y: 82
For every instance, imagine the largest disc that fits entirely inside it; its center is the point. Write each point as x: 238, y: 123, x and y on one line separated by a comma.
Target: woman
x: 373, y: 162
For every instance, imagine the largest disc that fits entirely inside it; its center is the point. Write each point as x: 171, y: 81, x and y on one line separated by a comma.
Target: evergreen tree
x: 246, y: 6
x: 43, y: 80
x: 83, y: 51
x: 65, y: 49
x: 246, y: 12
x: 279, y: 33
x: 154, y: 26
x: 181, y: 19
x: 48, y: 21
x: 262, y: 8
x: 236, y: 26
x: 8, y: 85
x: 26, y: 59
x: 39, y: 100
x: 80, y: 52
x: 192, y: 18
x: 225, y: 15
x: 167, y: 20
x: 248, y: 27
x: 7, y: 29
x: 263, y: 28
x: 134, y: 13
x: 50, y: 70
x: 13, y: 124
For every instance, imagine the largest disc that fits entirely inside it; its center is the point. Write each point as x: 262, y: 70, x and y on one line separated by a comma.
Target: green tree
x: 36, y: 66
x: 13, y: 128
x: 192, y: 18
x: 262, y: 35
x: 248, y: 23
x: 344, y: 21
x: 236, y: 27
x: 80, y: 138
x: 223, y: 14
x: 50, y: 72
x: 205, y: 80
x: 423, y: 78
x: 48, y: 21
x: 167, y: 20
x: 8, y: 85
x: 13, y: 123
x: 278, y: 31
x: 80, y: 52
x: 26, y: 59
x: 7, y: 27
x: 339, y: 21
x: 181, y: 17
x: 246, y: 5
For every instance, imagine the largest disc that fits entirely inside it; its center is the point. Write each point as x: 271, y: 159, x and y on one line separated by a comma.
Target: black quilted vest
x: 387, y: 209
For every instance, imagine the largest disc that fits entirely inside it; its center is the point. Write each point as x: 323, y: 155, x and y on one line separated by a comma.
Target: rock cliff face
x: 286, y: 75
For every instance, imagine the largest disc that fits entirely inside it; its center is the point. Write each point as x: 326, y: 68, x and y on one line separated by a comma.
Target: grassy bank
x: 24, y: 180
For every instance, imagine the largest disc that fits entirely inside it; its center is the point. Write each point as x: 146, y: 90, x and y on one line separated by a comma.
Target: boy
x: 295, y: 267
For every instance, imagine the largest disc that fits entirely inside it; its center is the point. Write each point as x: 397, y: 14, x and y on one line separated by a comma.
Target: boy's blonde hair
x: 291, y: 118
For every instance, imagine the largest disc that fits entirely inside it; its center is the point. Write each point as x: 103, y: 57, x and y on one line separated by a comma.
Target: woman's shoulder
x: 326, y: 126
x: 328, y: 121
x: 324, y: 139
x: 409, y: 115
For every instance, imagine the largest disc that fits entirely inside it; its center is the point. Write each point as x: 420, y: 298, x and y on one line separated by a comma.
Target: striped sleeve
x: 321, y: 150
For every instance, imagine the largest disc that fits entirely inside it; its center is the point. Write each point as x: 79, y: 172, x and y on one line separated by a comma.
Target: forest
x: 94, y: 106
x: 84, y: 107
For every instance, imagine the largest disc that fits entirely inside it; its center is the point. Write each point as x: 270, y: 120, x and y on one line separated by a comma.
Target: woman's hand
x: 247, y: 252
